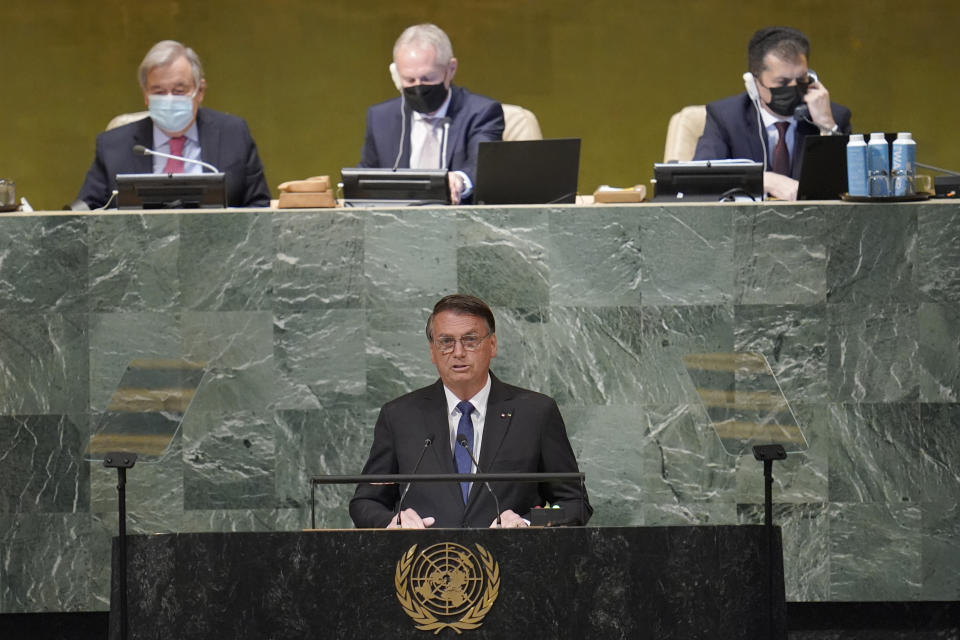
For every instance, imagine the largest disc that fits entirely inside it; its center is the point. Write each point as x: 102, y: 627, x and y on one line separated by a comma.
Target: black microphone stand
x: 767, y: 454
x: 121, y: 461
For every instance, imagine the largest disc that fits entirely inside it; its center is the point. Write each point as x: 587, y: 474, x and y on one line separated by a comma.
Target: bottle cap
x: 877, y: 136
x: 856, y: 137
x: 904, y: 135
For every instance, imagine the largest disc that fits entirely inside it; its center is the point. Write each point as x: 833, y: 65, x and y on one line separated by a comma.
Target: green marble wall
x: 310, y: 320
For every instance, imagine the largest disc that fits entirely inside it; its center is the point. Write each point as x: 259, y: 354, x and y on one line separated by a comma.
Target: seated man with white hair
x: 408, y: 131
x: 173, y: 86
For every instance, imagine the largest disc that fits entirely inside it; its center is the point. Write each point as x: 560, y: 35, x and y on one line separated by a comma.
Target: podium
x: 550, y: 583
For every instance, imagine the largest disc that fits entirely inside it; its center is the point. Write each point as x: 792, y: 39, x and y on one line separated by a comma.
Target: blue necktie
x: 461, y: 455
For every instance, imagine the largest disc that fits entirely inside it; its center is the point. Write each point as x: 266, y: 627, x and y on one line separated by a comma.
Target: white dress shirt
x: 478, y: 417
x: 770, y: 125
x: 420, y: 127
x: 191, y: 149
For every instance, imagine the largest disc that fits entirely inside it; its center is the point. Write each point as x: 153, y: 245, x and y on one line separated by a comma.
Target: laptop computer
x: 527, y: 171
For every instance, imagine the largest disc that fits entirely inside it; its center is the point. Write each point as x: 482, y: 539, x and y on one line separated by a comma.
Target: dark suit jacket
x: 523, y: 432
x: 225, y: 142
x: 473, y: 118
x: 731, y: 131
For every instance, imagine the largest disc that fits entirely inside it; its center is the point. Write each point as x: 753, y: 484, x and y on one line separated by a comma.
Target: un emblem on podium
x: 447, y: 585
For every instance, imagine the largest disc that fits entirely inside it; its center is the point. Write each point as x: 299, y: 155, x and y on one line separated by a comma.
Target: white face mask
x: 171, y: 113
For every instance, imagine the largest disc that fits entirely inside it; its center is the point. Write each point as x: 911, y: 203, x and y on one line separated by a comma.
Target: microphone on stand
x: 462, y: 441
x: 443, y: 146
x: 426, y: 445
x: 139, y: 149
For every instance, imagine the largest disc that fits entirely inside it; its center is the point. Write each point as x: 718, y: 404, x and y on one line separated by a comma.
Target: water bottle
x: 857, y: 166
x: 904, y: 164
x: 878, y: 165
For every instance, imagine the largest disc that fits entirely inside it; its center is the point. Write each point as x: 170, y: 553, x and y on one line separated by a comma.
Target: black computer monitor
x: 171, y: 191
x: 394, y: 188
x: 707, y: 181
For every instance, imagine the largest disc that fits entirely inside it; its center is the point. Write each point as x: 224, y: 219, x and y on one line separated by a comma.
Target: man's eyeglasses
x: 470, y: 342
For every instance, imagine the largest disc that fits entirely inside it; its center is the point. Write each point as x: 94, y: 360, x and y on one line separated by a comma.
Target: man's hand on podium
x: 510, y: 520
x: 780, y: 187
x: 410, y: 519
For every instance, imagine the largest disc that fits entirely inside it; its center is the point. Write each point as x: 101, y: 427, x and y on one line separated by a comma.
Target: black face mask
x: 783, y: 100
x: 425, y: 98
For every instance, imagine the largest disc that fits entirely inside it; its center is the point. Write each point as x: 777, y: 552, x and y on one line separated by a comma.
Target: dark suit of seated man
x: 777, y: 59
x: 173, y: 86
x: 407, y: 132
x: 513, y: 430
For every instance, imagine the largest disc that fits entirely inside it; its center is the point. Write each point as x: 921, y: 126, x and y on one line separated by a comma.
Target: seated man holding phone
x: 783, y: 102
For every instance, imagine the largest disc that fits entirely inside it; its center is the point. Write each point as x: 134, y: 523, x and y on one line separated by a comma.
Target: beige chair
x: 685, y: 128
x: 126, y: 118
x: 520, y: 124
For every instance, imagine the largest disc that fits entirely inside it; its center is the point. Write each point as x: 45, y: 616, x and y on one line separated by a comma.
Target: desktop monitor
x: 394, y: 187
x: 708, y: 181
x: 171, y: 191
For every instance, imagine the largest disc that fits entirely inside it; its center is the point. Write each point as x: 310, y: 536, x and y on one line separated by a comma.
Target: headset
x: 395, y: 76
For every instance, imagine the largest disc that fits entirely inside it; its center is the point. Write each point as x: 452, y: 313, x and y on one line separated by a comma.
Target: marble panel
x: 793, y: 338
x: 940, y: 561
x: 43, y: 363
x: 397, y: 353
x: 687, y: 255
x: 43, y: 264
x: 938, y: 253
x: 318, y: 260
x: 44, y: 558
x: 805, y: 530
x: 320, y: 360
x: 669, y: 333
x: 938, y: 445
x: 133, y: 263
x: 594, y: 257
x: 229, y: 461
x: 871, y: 255
x: 410, y: 257
x: 872, y: 353
x: 237, y: 350
x: 878, y: 453
x: 313, y: 443
x: 594, y: 355
x: 875, y: 552
x: 938, y: 330
x: 502, y: 256
x: 117, y: 338
x: 523, y: 355
x: 225, y: 262
x: 42, y: 468
x: 780, y: 254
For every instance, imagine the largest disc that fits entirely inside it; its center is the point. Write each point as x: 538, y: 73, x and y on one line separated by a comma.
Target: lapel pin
x: 506, y: 414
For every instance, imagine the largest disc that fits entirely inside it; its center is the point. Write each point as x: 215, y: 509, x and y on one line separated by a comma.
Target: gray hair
x: 426, y: 34
x: 165, y: 52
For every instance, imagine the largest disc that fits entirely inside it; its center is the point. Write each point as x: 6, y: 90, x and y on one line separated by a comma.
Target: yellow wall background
x: 302, y: 72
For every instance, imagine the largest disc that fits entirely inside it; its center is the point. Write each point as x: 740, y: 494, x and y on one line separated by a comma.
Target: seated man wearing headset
x: 783, y: 102
x: 409, y: 131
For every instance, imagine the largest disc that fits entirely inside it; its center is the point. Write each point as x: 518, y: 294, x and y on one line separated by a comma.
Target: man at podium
x: 468, y: 414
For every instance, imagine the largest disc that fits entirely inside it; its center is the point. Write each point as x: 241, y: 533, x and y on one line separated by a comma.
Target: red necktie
x: 781, y: 157
x: 176, y: 149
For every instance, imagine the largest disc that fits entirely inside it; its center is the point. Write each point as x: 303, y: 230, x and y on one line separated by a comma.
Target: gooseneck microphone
x: 443, y: 148
x: 426, y: 445
x: 462, y: 441
x: 139, y: 149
